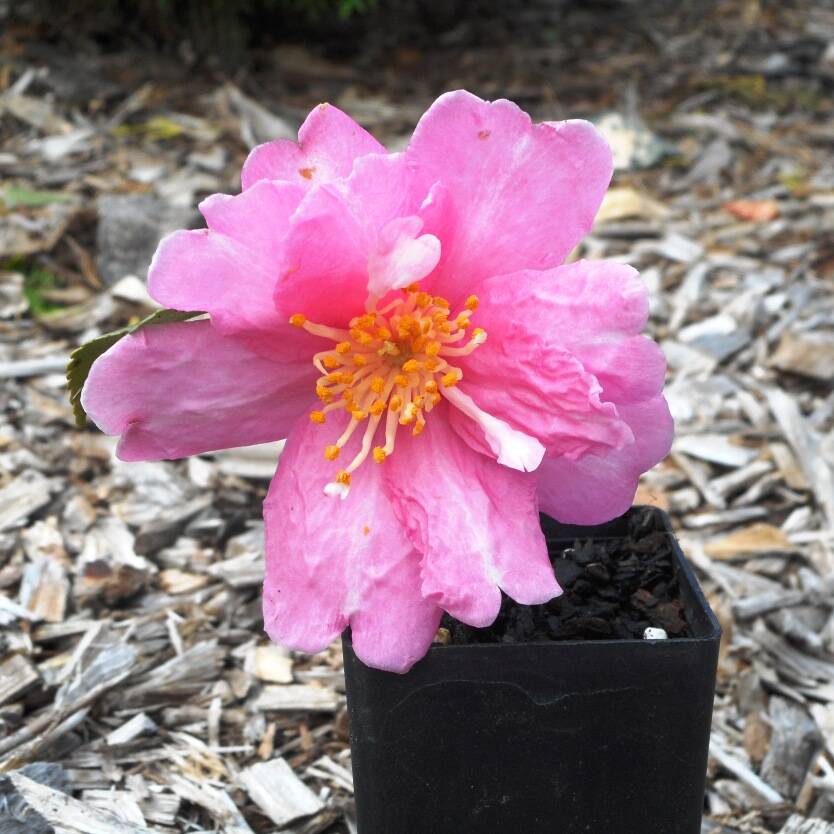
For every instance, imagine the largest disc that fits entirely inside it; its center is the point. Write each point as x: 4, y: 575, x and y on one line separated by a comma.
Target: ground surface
x: 132, y: 652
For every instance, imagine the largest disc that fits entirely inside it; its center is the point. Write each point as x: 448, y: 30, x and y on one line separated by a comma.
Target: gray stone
x: 129, y: 228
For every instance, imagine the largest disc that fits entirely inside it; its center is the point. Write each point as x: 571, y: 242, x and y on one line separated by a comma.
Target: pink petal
x: 564, y: 352
x: 331, y: 563
x: 593, y: 309
x: 402, y: 256
x: 172, y: 390
x: 257, y: 219
x: 475, y: 522
x: 232, y: 273
x: 523, y: 194
x: 204, y: 270
x: 544, y: 392
x: 324, y: 270
x: 395, y: 626
x: 328, y: 143
x: 333, y: 235
x: 598, y: 488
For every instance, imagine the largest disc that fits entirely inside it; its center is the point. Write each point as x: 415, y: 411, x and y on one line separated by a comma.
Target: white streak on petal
x: 512, y: 448
x: 335, y: 489
x: 402, y: 256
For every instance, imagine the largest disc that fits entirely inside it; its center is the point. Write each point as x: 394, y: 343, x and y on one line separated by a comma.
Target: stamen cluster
x: 392, y: 362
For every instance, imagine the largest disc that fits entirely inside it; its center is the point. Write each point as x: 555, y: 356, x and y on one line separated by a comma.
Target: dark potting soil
x: 614, y: 588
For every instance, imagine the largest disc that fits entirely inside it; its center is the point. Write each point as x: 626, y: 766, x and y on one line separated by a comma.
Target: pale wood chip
x: 296, y: 697
x: 753, y: 540
x: 218, y: 803
x: 139, y: 725
x: 802, y: 825
x: 271, y: 664
x: 278, y: 792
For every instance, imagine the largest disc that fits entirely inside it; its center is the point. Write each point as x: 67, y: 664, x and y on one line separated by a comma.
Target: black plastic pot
x: 590, y: 737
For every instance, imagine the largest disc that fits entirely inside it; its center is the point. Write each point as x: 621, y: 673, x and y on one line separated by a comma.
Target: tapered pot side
x: 597, y: 737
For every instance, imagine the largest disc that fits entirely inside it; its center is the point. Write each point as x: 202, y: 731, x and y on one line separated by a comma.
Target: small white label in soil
x: 655, y: 634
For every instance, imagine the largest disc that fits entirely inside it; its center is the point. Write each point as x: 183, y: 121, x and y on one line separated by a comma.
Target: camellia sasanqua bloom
x: 408, y: 322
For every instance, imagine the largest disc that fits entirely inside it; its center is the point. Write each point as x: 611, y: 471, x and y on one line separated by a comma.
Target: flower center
x: 393, y: 362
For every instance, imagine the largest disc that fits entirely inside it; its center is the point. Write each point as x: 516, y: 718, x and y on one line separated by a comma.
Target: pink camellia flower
x: 407, y: 322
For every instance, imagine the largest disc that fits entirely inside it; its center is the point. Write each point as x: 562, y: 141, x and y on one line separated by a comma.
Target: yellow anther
x: 331, y: 452
x: 364, y: 338
x: 343, y: 347
x: 383, y: 333
x: 323, y: 394
x: 440, y: 316
x: 412, y: 366
x: 418, y: 344
x: 318, y: 417
x: 433, y: 348
x: 395, y: 403
x: 358, y: 414
x: 345, y: 377
x: 389, y: 349
x: 413, y: 287
x: 436, y: 398
x: 432, y: 364
x: 462, y: 321
x: 380, y: 454
x: 343, y: 478
x: 401, y: 380
x: 431, y: 386
x: 439, y: 301
x: 377, y: 385
x: 366, y: 321
x: 418, y: 427
x: 472, y: 302
x: 418, y: 400
x: 360, y: 360
x: 330, y: 362
x: 355, y: 333
x: 298, y: 320
x: 423, y: 299
x: 405, y: 325
x: 377, y: 407
x: 451, y: 379
x: 478, y: 333
x: 334, y: 376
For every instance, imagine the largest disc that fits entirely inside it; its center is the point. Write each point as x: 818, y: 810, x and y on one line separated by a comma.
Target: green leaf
x: 14, y: 196
x: 82, y: 358
x: 37, y: 282
x: 156, y: 129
